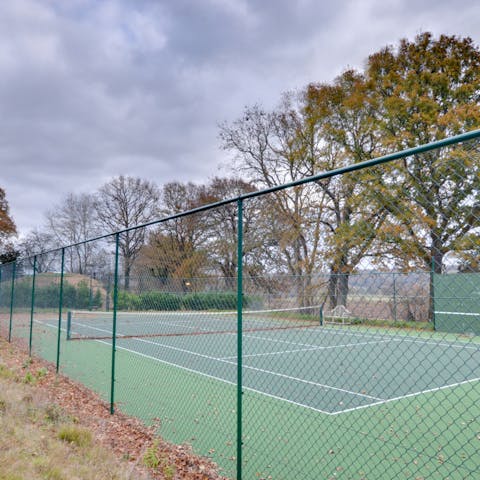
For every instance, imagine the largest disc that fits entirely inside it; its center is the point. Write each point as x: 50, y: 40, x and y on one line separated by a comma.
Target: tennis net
x: 93, y: 325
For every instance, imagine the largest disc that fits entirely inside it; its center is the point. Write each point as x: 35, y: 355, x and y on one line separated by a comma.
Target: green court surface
x: 318, y: 402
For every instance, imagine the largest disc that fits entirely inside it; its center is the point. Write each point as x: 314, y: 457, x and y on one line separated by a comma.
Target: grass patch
x: 37, y: 437
x: 76, y: 435
x: 154, y: 459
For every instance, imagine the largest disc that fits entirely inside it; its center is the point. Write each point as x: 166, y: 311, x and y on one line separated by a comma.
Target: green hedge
x: 173, y: 301
x: 48, y: 296
x: 79, y: 297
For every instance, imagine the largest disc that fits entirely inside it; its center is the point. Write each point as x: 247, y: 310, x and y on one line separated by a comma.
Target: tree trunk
x: 338, y: 285
x: 436, y: 255
x: 342, y: 285
x: 126, y: 275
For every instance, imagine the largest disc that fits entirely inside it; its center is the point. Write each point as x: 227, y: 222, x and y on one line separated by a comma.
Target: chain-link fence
x: 323, y: 329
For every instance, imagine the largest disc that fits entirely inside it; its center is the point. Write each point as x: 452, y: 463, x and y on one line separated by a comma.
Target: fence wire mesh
x: 329, y: 329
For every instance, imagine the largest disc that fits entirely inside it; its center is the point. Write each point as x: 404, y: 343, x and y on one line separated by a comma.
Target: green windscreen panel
x: 457, y: 303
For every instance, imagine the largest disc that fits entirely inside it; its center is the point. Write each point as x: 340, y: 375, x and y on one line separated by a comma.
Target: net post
x: 69, y: 325
x: 12, y: 296
x: 60, y: 306
x: 114, y: 325
x: 321, y: 315
x: 32, y: 306
x: 239, y: 336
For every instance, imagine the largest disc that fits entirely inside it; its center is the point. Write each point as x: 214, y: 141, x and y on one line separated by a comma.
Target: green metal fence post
x: 239, y: 337
x: 32, y: 306
x: 60, y: 306
x: 12, y: 294
x: 394, y: 297
x: 114, y: 326
x: 432, y: 291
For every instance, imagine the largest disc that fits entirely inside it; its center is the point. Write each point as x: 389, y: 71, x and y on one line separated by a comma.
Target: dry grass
x: 52, y: 428
x: 40, y: 441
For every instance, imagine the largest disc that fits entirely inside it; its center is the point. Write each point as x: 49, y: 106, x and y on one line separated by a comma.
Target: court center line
x: 269, y: 372
x: 319, y: 347
x: 220, y: 379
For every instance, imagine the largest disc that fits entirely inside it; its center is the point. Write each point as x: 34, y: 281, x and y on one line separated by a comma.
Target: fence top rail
x: 314, y: 178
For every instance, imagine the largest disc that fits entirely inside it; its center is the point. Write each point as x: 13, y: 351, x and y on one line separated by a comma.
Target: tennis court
x: 320, y: 377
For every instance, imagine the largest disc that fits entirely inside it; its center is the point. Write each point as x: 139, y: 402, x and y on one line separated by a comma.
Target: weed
x: 151, y: 458
x: 169, y: 472
x: 3, y: 406
x: 28, y: 378
x: 78, y: 436
x: 5, y: 372
x: 27, y: 363
x: 41, y: 372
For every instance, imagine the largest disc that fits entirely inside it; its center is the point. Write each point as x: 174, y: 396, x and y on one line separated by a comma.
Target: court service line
x: 319, y: 347
x: 213, y: 377
x: 401, y: 338
x: 282, y: 375
x: 178, y: 349
x: 408, y: 395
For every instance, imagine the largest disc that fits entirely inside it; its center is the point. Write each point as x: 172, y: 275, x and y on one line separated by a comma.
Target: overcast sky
x: 91, y: 89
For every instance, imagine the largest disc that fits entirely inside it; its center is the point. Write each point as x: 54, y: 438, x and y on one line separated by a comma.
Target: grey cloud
x: 90, y: 90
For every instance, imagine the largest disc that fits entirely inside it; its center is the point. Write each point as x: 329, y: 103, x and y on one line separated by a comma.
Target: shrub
x: 160, y: 301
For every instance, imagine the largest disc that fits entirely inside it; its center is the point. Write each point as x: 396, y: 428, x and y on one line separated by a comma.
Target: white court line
x: 319, y: 347
x: 408, y: 395
x: 209, y: 357
x: 401, y: 338
x: 373, y: 404
x: 223, y: 380
x: 461, y: 313
x: 301, y: 380
x: 308, y: 407
x: 381, y: 337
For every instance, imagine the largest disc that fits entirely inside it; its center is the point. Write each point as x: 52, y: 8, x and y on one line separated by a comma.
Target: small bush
x: 128, y: 301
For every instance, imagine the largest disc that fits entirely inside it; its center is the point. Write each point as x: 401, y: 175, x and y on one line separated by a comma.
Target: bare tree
x: 221, y: 226
x: 174, y: 250
x: 35, y: 242
x: 122, y: 203
x: 274, y: 148
x: 71, y: 222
